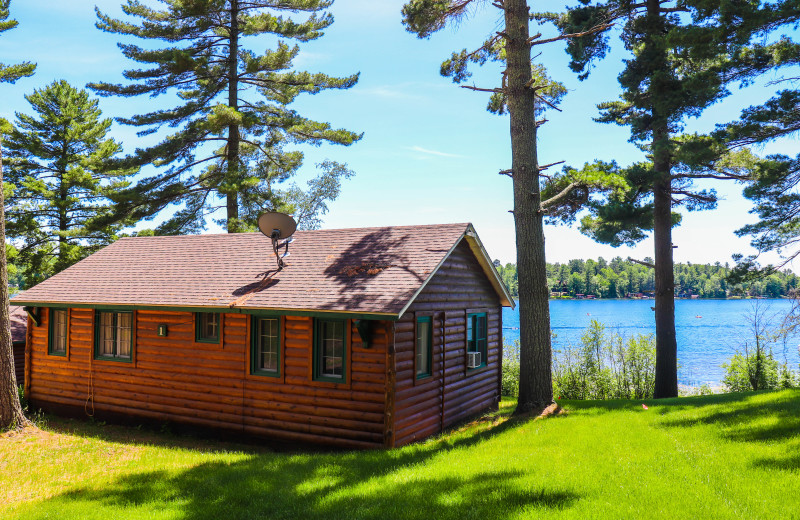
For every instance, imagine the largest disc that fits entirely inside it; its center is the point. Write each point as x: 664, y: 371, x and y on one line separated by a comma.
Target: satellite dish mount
x: 279, y: 227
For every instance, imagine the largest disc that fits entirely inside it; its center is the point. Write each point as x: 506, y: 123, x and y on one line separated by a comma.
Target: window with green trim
x: 206, y: 327
x: 113, y: 335
x: 265, y: 355
x: 424, y: 346
x: 476, y: 340
x: 58, y: 332
x: 330, y: 350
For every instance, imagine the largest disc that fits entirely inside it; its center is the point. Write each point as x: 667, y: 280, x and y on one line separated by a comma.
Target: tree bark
x: 535, y: 380
x: 233, y: 129
x: 11, y: 415
x: 666, y: 383
x: 62, y: 223
x: 666, y: 376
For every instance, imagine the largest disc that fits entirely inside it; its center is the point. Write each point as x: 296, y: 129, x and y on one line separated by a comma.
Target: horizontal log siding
x: 176, y: 379
x: 459, y: 285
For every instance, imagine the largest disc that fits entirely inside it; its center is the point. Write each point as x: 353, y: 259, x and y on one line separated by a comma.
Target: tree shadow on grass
x: 413, y: 483
x: 751, y: 418
x: 306, y: 489
x: 748, y: 417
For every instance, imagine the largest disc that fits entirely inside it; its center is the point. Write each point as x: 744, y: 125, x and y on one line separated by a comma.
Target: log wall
x: 452, y: 393
x: 176, y: 379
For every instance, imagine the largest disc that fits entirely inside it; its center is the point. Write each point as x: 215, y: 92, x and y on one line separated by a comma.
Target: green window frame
x: 57, y: 335
x: 113, y: 336
x: 477, y: 336
x: 330, y: 350
x: 265, y: 346
x: 423, y: 355
x: 206, y: 327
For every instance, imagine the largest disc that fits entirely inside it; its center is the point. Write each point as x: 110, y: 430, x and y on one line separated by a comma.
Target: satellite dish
x: 276, y: 226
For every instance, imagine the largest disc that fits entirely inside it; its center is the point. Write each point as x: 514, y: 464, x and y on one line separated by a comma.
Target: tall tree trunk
x: 10, y: 410
x: 63, y: 261
x: 666, y: 377
x: 666, y: 383
x: 233, y: 130
x: 535, y: 380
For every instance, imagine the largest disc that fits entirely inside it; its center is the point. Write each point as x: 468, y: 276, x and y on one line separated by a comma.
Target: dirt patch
x: 551, y: 410
x: 28, y: 431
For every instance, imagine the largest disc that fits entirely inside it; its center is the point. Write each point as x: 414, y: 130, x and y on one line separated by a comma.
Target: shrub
x: 605, y: 366
x: 788, y: 378
x: 745, y: 372
x: 510, y: 378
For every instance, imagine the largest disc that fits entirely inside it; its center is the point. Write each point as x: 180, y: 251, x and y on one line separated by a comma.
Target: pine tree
x: 684, y: 56
x: 525, y: 92
x: 234, y: 121
x: 10, y: 410
x: 59, y: 163
x: 774, y: 186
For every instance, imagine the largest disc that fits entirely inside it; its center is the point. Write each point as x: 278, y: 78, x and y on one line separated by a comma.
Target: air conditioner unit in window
x: 473, y: 359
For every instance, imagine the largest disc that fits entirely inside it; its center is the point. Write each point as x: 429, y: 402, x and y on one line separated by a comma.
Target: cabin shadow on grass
x: 351, y: 485
x: 315, y: 485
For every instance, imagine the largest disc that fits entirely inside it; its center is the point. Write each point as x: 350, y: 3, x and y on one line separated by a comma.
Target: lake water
x: 708, y: 331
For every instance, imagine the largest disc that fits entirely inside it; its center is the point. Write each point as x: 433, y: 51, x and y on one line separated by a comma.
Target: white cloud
x: 434, y: 152
x: 387, y: 92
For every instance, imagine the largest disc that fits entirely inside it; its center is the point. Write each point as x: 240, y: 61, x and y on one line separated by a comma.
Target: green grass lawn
x: 723, y: 456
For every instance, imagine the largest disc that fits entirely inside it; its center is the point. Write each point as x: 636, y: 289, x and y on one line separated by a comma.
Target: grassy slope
x: 728, y: 456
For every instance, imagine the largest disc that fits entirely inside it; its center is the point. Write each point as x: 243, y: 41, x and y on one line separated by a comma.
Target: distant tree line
x: 620, y: 278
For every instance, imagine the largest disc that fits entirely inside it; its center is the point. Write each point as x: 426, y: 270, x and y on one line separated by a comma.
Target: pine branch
x: 646, y: 264
x: 551, y: 105
x: 546, y: 166
x: 534, y: 40
x: 478, y: 89
x: 560, y: 195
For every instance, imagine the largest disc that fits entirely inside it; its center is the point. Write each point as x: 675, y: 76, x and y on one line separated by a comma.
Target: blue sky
x: 430, y: 152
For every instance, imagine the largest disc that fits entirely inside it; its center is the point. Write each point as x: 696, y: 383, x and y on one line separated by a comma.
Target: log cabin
x: 370, y: 337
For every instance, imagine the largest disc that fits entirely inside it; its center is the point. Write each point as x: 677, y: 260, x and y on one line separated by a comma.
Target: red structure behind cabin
x: 19, y: 326
x: 368, y: 337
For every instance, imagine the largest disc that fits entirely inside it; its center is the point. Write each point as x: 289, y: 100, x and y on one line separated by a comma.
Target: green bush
x: 789, y: 378
x: 605, y: 366
x: 752, y: 372
x: 510, y: 379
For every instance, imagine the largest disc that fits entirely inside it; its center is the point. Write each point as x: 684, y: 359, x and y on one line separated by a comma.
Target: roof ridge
x: 250, y: 233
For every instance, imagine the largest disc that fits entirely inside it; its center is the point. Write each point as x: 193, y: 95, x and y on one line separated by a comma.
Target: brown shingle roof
x: 368, y: 270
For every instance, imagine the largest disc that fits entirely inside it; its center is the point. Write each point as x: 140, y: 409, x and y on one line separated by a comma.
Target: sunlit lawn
x: 728, y: 456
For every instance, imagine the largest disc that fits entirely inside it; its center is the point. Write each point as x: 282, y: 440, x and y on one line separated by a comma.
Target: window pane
x: 267, y: 344
x: 124, y: 320
x: 59, y: 332
x: 423, y: 347
x: 106, y: 333
x: 332, y: 349
x: 481, y: 327
x: 208, y: 328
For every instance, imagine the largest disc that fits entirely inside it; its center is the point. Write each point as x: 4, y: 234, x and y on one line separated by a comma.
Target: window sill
x: 265, y: 373
x: 114, y: 359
